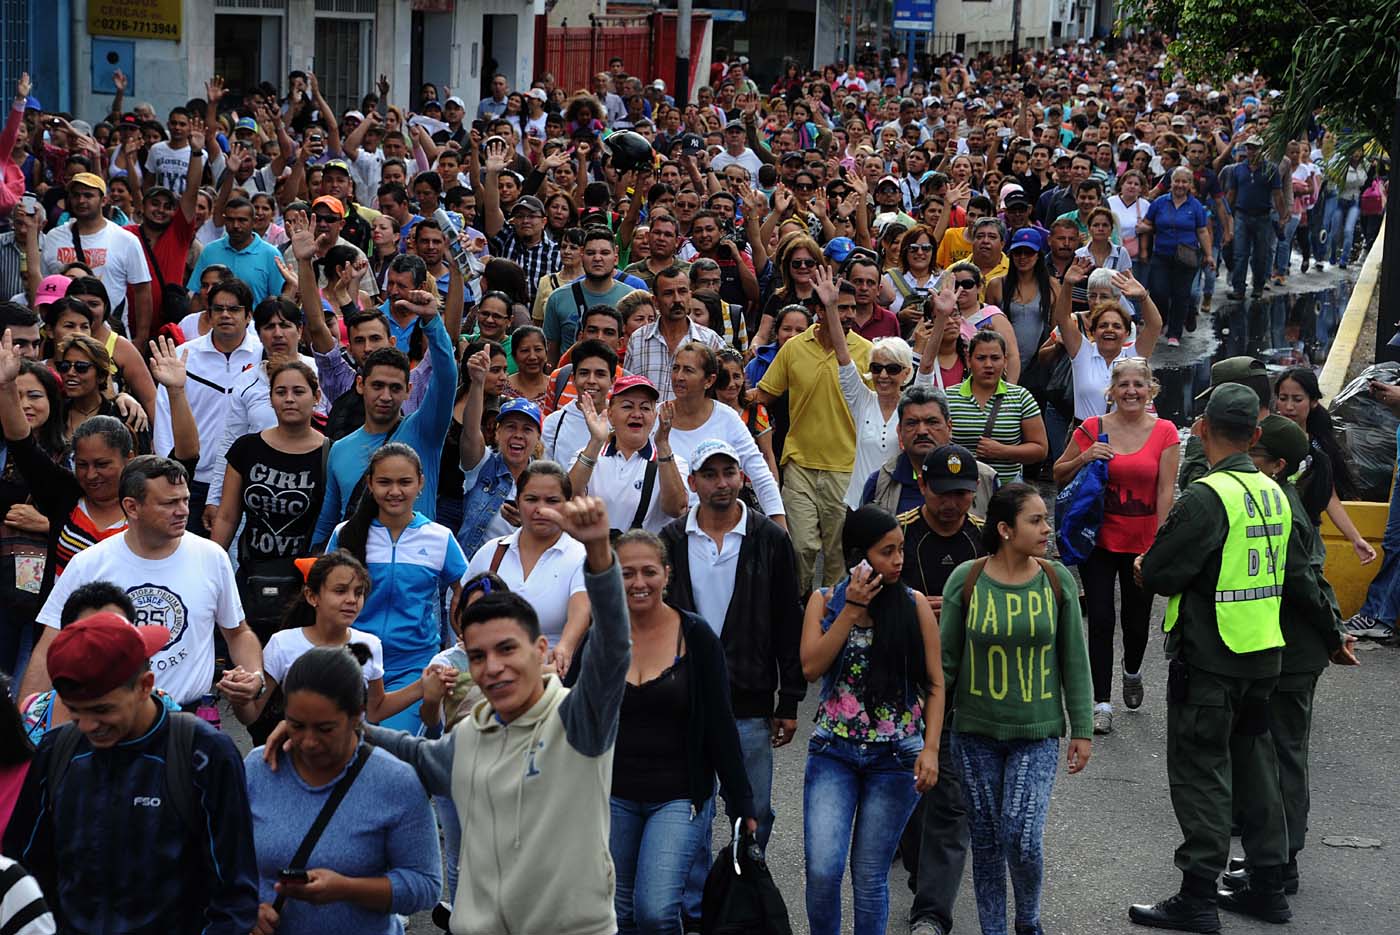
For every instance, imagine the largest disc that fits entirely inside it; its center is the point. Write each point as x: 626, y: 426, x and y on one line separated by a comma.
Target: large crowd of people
x: 511, y: 477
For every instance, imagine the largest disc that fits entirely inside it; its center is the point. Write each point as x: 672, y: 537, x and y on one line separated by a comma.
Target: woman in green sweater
x: 1015, y: 660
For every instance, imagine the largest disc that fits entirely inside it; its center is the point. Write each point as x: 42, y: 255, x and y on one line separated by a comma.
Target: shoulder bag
x: 323, y: 818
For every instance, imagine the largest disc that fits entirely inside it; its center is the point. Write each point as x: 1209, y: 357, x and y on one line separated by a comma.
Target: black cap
x: 527, y: 203
x: 792, y: 155
x: 950, y: 468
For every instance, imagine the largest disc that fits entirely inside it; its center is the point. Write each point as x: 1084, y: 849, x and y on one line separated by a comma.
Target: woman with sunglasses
x: 913, y: 272
x: 84, y: 373
x: 976, y: 316
x: 126, y: 366
x: 1142, y: 452
x: 798, y: 258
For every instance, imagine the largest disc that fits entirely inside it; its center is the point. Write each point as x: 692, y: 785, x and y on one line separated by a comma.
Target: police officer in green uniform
x: 1310, y: 641
x: 1248, y: 371
x: 1223, y: 557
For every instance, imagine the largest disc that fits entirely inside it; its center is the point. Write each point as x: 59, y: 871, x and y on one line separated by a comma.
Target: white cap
x: 710, y: 447
x: 356, y: 114
x: 538, y: 94
x: 454, y: 99
x: 659, y: 85
x: 1171, y: 98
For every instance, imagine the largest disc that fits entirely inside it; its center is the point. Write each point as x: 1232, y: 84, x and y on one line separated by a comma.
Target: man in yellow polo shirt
x: 820, y: 450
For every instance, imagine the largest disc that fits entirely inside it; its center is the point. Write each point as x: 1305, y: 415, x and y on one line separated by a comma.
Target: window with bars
x: 343, y: 58
x: 14, y: 43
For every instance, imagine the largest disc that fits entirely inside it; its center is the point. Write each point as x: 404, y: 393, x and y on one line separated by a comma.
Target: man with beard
x: 939, y: 535
x: 563, y: 311
x: 166, y: 232
x: 923, y: 426
x: 651, y: 351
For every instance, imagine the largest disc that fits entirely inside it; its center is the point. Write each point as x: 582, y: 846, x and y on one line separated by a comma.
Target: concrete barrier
x: 1349, y: 578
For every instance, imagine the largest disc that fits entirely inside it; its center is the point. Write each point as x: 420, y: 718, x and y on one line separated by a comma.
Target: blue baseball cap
x: 32, y: 103
x: 246, y: 123
x: 1027, y: 237
x: 523, y: 407
x: 838, y: 248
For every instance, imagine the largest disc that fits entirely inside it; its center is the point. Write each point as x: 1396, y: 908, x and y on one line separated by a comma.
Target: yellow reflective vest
x: 1249, y: 591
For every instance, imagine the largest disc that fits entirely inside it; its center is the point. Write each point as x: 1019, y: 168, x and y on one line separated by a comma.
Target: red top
x: 1130, y: 503
x: 172, y: 249
x: 882, y: 324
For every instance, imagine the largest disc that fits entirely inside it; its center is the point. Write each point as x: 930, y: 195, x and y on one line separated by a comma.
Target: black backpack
x: 179, y: 766
x: 740, y: 896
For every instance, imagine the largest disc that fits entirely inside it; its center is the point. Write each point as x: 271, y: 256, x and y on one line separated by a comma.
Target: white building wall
x: 987, y: 25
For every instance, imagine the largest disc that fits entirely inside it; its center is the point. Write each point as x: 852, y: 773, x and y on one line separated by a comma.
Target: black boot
x: 1237, y: 876
x: 1191, y: 910
x: 1261, y: 896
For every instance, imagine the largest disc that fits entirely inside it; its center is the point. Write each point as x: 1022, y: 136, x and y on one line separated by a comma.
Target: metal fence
x: 574, y: 54
x: 14, y: 45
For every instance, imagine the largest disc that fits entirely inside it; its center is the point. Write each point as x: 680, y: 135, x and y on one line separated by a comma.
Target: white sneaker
x: 1368, y: 628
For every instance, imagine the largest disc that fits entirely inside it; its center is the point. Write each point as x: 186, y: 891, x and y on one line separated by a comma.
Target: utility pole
x: 1015, y: 34
x: 1388, y: 317
x: 683, y: 13
x: 851, y: 35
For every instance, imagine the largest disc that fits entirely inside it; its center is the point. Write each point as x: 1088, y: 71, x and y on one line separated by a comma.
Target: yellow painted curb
x: 1334, y: 371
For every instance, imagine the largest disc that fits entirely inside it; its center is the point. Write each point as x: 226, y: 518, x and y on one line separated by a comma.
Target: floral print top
x: 841, y: 711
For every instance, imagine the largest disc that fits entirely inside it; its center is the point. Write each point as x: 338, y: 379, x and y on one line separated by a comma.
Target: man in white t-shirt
x: 168, y: 161
x: 113, y: 254
x: 565, y: 430
x: 176, y: 580
x: 736, y: 152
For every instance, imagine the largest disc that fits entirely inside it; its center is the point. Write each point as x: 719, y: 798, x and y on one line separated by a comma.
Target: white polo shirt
x: 712, y: 568
x: 565, y: 434
x: 618, y: 481
x: 212, y: 378
x: 556, y: 577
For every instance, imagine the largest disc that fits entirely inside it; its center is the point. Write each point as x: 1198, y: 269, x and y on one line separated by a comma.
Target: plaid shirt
x: 537, y: 261
x: 649, y: 355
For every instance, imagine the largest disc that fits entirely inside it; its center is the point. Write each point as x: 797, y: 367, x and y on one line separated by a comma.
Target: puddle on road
x: 1284, y: 329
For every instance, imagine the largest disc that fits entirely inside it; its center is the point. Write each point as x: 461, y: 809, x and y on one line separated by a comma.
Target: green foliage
x: 1340, y: 55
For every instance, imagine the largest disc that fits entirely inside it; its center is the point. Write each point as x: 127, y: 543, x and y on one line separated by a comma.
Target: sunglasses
x: 802, y: 264
x: 79, y: 366
x: 804, y: 187
x: 325, y: 218
x: 891, y: 369
x: 965, y: 283
x: 921, y: 248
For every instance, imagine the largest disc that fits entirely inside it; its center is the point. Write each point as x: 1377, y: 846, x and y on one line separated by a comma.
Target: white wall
x: 470, y: 58
x: 986, y: 24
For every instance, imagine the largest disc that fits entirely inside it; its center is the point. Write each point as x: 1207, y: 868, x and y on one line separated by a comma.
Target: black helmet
x: 629, y: 151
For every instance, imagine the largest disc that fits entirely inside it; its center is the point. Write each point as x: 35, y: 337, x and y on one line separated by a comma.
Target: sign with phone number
x: 135, y: 19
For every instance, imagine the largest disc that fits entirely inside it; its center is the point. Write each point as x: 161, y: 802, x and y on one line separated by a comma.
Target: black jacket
x: 763, y: 627
x: 712, y: 739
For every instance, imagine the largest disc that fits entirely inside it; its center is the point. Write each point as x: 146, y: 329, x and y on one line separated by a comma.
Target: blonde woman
x: 1142, y: 452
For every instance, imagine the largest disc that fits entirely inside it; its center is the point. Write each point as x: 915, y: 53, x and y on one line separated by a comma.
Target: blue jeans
x: 1253, y: 247
x: 1284, y: 250
x: 856, y: 799
x: 652, y: 846
x: 756, y: 743
x: 1383, y: 595
x: 1170, y: 286
x: 451, y: 826
x: 1344, y: 230
x: 1007, y: 784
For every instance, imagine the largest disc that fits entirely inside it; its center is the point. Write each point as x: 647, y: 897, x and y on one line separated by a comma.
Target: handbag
x: 1188, y: 255
x: 1049, y: 375
x: 740, y: 897
x: 1079, y: 509
x: 23, y: 557
x: 323, y: 818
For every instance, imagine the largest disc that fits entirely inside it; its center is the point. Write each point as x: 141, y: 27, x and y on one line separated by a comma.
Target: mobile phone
x: 479, y: 126
x: 862, y: 567
x: 29, y: 203
x: 293, y: 875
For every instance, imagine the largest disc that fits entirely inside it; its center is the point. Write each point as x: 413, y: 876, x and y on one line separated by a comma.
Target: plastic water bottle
x: 208, y: 710
x: 470, y: 266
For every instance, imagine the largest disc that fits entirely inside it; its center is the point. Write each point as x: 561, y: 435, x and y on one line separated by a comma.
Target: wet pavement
x: 1290, y: 326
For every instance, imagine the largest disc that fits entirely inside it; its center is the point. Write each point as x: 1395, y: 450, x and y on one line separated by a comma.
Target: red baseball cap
x: 634, y: 381
x: 100, y: 653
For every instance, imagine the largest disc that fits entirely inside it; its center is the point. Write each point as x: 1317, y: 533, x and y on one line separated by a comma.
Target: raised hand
x: 825, y: 286
x: 496, y: 154
x: 196, y: 135
x: 24, y: 86
x: 383, y: 85
x: 1079, y: 270
x: 478, y: 366
x: 584, y: 517
x: 599, y: 428
x: 665, y: 415
x: 118, y: 80
x: 288, y: 273
x: 9, y: 359
x: 167, y: 367
x: 420, y: 302
x: 214, y: 89
x: 1125, y: 283
x: 782, y: 200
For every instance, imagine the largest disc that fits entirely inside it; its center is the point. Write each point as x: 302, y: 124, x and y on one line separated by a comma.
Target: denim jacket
x: 492, y: 486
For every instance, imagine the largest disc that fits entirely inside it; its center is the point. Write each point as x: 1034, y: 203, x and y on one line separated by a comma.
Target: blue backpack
x: 1079, y: 511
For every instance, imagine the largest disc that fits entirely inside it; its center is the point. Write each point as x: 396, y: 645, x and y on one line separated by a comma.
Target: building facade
x: 169, y: 48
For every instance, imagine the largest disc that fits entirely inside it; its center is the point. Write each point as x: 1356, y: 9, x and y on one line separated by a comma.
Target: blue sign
x: 913, y: 15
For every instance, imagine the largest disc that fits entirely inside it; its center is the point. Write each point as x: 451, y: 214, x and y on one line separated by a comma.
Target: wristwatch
x: 262, y: 685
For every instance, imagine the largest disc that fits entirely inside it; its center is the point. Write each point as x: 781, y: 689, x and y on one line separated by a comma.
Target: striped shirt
x: 11, y: 259
x: 79, y: 532
x: 649, y: 355
x: 970, y: 421
x: 22, y: 907
x: 537, y: 261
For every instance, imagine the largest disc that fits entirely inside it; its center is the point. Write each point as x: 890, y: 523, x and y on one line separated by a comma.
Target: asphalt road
x: 1110, y: 834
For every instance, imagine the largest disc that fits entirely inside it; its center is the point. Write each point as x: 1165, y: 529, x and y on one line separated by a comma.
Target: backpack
x: 740, y: 897
x: 1079, y: 510
x: 179, y: 754
x: 1373, y: 198
x: 975, y: 572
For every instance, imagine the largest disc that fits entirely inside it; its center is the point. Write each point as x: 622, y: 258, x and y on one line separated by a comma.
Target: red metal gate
x: 646, y: 45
